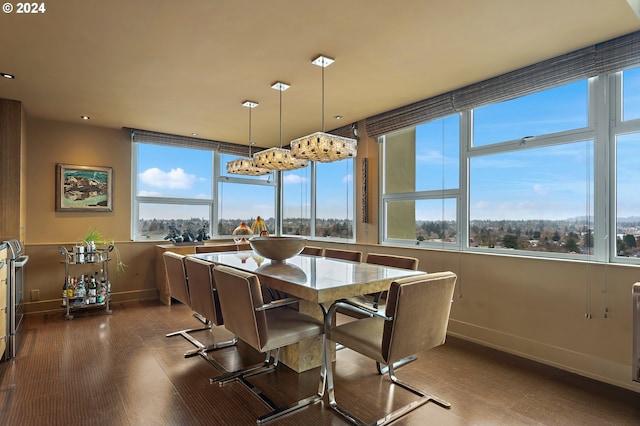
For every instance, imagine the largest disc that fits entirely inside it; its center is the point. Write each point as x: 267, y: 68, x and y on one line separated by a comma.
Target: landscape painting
x: 84, y: 188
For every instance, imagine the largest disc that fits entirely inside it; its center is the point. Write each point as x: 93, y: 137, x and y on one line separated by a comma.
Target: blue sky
x: 542, y: 183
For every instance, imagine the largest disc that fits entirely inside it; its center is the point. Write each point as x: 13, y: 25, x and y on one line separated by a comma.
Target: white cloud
x: 294, y: 179
x: 540, y: 189
x: 149, y: 194
x: 347, y: 179
x: 174, y: 179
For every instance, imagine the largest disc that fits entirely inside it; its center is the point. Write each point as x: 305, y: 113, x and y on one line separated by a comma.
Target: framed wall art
x: 84, y: 188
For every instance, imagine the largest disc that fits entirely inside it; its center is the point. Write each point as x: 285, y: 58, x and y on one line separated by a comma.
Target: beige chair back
x: 420, y: 308
x: 240, y: 294
x: 176, y: 276
x: 404, y: 262
x: 202, y: 290
x: 217, y: 248
x: 352, y: 255
x: 313, y: 251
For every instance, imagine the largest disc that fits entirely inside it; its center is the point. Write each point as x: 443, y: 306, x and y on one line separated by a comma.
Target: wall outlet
x: 35, y: 295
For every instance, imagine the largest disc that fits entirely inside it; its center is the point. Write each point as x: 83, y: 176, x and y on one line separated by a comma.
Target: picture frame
x: 84, y: 188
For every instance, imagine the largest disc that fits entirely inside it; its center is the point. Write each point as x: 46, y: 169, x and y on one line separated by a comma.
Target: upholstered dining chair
x: 376, y: 300
x: 352, y: 255
x: 403, y: 262
x: 217, y: 248
x: 175, y: 268
x: 265, y: 327
x: 415, y: 320
x: 204, y: 300
x: 313, y: 251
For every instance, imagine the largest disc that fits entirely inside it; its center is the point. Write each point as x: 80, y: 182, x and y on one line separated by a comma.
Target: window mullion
x: 466, y: 132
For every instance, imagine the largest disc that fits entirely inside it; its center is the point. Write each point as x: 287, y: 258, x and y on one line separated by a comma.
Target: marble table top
x: 313, y: 278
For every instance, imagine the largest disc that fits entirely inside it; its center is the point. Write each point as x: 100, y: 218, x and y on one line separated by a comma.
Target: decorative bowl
x: 277, y: 248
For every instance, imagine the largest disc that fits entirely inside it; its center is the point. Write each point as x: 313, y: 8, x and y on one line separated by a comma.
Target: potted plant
x: 94, y: 239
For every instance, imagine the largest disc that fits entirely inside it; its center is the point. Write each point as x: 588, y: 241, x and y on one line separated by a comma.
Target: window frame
x: 600, y: 92
x: 313, y: 194
x: 213, y: 203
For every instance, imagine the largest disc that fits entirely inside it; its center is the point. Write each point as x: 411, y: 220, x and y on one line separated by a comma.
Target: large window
x: 528, y: 169
x: 533, y: 174
x: 321, y: 194
x: 173, y: 191
x: 536, y: 199
x: 296, y: 210
x: 550, y: 111
x: 421, y: 183
x: 626, y: 135
x: 181, y: 190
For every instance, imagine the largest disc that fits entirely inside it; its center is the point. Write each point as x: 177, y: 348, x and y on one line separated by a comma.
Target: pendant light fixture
x: 321, y: 146
x: 278, y: 158
x: 246, y: 166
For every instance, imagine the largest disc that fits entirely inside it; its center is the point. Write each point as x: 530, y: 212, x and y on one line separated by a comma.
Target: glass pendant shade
x: 321, y: 146
x: 278, y: 159
x: 324, y: 147
x: 246, y: 166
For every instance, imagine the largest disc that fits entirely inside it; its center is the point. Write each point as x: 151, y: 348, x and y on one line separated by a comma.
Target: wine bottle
x: 64, y: 292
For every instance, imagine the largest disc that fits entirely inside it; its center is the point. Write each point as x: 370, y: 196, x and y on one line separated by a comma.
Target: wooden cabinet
x: 12, y: 170
x: 4, y: 330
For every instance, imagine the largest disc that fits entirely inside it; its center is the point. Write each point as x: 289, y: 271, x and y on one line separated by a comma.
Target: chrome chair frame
x: 197, y: 269
x: 373, y: 306
x: 180, y: 292
x: 327, y: 373
x: 267, y: 365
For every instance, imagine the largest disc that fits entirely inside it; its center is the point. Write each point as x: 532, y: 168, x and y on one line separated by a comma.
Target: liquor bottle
x: 92, y: 290
x: 102, y: 291
x: 65, y: 292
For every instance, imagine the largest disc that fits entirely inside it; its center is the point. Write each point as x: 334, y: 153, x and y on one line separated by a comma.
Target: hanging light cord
x: 280, y: 90
x: 250, y: 131
x: 323, y: 67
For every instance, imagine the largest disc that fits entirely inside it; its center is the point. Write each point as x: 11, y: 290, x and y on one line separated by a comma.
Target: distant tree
x: 510, y: 241
x: 556, y: 236
x: 630, y: 241
x: 572, y: 244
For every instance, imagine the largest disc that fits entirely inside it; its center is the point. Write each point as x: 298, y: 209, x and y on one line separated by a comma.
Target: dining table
x: 317, y: 281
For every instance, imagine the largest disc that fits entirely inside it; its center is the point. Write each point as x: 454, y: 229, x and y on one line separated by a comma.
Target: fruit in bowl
x: 277, y: 248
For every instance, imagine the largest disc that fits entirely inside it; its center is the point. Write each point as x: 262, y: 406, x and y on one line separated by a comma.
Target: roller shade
x: 610, y: 56
x: 146, y: 136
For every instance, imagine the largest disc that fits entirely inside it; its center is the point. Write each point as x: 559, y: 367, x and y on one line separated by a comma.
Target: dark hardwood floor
x: 122, y: 370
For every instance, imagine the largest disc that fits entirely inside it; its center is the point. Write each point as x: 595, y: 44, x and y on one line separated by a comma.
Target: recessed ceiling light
x: 337, y: 117
x: 194, y: 134
x: 7, y: 75
x: 85, y: 117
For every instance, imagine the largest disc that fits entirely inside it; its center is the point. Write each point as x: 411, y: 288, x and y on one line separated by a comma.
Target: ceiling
x: 186, y: 66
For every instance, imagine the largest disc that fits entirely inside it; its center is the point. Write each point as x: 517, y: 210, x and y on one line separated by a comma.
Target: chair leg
x: 420, y: 393
x: 424, y: 398
x: 204, y: 349
x: 232, y: 376
x: 384, y: 369
x: 185, y: 333
x: 265, y: 367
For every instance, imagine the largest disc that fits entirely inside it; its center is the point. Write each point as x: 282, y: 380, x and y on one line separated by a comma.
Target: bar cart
x: 90, y: 289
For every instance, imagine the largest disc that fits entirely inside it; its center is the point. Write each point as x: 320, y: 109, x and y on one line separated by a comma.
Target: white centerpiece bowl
x: 277, y: 248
